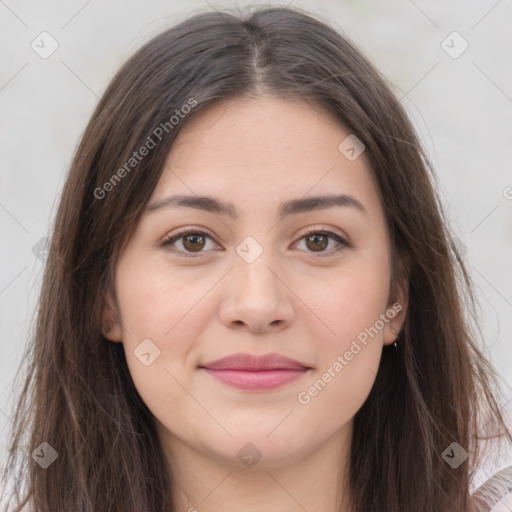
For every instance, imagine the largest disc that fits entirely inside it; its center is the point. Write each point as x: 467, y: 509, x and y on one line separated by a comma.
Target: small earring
x: 393, y: 331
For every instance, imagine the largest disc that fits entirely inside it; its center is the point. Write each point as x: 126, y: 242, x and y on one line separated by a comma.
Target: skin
x: 290, y: 300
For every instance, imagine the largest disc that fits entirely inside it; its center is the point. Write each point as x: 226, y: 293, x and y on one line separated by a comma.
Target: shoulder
x: 495, y: 495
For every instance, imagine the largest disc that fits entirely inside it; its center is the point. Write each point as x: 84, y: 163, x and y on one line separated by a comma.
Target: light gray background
x: 461, y: 106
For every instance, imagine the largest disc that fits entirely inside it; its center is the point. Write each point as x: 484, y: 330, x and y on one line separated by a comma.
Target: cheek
x: 155, y: 306
x: 351, y: 306
x: 172, y: 325
x: 333, y: 397
x: 156, y: 303
x: 350, y: 302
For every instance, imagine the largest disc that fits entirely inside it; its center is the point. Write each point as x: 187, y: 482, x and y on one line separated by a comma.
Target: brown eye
x: 193, y: 242
x: 317, y: 242
x: 188, y: 243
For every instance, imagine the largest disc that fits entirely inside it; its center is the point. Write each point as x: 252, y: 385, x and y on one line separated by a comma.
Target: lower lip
x: 262, y: 379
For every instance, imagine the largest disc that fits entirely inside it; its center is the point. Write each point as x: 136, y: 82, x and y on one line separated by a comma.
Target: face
x: 269, y: 271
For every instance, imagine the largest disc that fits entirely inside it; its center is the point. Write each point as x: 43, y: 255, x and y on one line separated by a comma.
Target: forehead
x: 265, y: 150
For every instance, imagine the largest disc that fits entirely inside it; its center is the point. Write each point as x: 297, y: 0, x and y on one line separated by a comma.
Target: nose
x: 257, y: 298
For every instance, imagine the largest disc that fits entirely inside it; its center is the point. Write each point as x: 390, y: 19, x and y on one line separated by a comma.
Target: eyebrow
x: 291, y: 207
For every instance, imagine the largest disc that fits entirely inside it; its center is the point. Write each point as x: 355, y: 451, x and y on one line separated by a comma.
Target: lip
x: 253, y: 372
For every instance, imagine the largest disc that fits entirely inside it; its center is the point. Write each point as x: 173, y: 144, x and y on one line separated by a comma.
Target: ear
x: 110, y: 323
x: 398, y: 302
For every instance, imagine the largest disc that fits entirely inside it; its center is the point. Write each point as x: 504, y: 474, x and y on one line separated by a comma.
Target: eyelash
x: 166, y: 243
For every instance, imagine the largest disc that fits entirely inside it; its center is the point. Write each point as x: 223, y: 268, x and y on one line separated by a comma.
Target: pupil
x: 322, y: 244
x: 194, y: 239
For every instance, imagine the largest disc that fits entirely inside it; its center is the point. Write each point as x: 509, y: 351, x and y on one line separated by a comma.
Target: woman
x: 252, y: 301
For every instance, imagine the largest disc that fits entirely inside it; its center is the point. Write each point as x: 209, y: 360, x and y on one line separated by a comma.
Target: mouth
x: 253, y: 372
x: 259, y: 379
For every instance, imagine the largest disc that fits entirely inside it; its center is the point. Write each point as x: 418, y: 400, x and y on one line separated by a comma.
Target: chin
x: 256, y: 449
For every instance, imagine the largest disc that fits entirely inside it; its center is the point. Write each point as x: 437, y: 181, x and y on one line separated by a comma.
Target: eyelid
x: 323, y: 230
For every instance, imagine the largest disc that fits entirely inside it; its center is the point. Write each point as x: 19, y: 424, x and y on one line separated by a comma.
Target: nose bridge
x: 253, y: 264
x: 256, y: 296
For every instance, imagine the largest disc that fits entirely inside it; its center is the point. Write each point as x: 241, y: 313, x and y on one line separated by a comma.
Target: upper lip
x: 250, y: 362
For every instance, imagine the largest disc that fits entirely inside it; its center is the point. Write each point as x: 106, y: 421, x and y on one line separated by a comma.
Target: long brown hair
x: 436, y: 389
